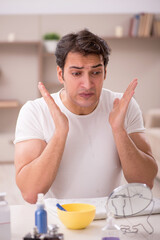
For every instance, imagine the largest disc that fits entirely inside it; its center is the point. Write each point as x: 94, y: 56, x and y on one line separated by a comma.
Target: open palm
x: 120, y: 106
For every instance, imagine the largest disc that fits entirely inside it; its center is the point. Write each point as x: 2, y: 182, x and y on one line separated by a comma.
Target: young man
x: 75, y: 143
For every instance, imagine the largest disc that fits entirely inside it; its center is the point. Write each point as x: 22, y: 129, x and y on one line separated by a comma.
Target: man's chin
x: 89, y: 105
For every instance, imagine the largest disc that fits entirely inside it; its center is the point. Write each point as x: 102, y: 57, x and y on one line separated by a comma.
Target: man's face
x: 83, y: 78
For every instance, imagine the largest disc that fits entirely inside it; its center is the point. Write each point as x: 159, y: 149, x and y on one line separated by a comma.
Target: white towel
x: 100, y: 204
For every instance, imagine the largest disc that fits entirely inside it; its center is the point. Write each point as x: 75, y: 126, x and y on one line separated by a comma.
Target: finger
x: 125, y: 100
x: 128, y: 94
x: 45, y: 94
x: 131, y: 87
x: 42, y: 89
x: 134, y: 84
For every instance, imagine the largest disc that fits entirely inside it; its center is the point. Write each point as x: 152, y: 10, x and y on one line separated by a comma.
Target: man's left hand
x: 120, y: 106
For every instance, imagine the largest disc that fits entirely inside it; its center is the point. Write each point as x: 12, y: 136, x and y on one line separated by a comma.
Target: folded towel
x: 100, y: 204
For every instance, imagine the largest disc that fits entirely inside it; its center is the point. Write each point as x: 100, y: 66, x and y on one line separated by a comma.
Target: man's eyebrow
x: 98, y: 65
x: 76, y: 67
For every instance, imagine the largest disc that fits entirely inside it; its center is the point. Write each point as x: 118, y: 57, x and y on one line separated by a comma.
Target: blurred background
x: 131, y: 28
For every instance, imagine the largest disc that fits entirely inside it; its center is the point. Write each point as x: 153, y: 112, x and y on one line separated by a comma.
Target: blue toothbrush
x: 60, y: 207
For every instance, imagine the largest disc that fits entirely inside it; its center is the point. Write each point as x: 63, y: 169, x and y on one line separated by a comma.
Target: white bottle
x: 5, y: 228
x: 110, y: 231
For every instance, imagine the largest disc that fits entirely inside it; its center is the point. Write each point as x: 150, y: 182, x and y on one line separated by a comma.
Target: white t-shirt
x: 90, y: 165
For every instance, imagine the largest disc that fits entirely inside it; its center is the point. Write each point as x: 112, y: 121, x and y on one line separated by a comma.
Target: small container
x: 33, y: 235
x: 111, y: 231
x: 119, y: 31
x: 5, y: 228
x: 41, y: 215
x: 51, y: 235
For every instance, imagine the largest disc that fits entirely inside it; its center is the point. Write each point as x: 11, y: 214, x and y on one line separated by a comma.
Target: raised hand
x: 59, y: 118
x: 120, y: 106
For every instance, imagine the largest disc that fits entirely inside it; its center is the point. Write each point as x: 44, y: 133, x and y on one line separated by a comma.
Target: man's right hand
x: 32, y: 156
x: 59, y: 118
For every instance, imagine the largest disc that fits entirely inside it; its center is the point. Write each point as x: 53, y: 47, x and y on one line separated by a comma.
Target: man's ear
x: 60, y: 74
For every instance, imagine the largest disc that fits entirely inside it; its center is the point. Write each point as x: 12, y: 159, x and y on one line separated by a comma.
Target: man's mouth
x: 86, y: 94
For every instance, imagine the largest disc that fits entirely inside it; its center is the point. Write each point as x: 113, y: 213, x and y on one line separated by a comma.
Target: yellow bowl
x: 77, y: 216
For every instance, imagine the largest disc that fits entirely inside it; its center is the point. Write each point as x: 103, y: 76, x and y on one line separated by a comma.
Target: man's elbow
x: 150, y: 184
x: 149, y: 181
x: 154, y: 174
x: 29, y: 197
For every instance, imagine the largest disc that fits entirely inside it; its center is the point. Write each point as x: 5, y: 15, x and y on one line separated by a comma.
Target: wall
x: 78, y: 7
x: 140, y: 59
x: 130, y: 57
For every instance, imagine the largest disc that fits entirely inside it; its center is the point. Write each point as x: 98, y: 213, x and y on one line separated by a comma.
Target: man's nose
x: 87, y: 82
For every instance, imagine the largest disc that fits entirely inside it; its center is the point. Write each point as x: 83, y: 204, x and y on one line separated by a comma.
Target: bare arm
x: 136, y: 158
x: 134, y: 151
x: 37, y: 162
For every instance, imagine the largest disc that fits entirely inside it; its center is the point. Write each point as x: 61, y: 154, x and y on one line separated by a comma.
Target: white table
x: 22, y: 221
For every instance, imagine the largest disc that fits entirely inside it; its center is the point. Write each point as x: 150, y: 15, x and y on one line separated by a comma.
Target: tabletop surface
x: 22, y: 222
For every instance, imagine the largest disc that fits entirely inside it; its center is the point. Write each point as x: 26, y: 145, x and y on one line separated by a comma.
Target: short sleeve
x: 134, y: 119
x: 28, y: 123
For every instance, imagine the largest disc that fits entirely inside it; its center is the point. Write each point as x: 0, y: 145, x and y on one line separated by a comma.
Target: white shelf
x: 9, y: 104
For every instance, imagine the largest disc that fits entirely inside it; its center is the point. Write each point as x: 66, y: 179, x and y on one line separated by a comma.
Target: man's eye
x: 96, y: 73
x: 76, y: 74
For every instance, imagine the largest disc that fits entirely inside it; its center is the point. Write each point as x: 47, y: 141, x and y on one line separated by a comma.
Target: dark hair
x: 83, y: 42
